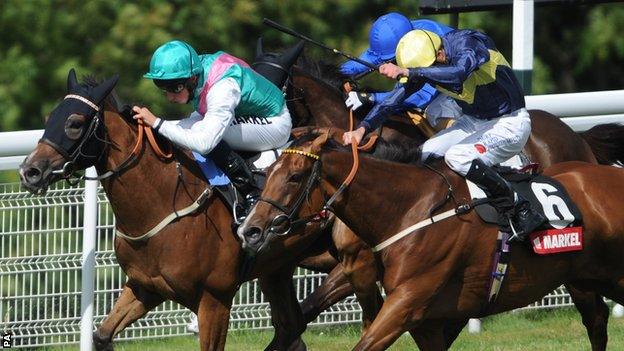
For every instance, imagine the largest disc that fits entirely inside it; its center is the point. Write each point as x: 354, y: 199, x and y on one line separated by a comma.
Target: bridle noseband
x: 287, y: 218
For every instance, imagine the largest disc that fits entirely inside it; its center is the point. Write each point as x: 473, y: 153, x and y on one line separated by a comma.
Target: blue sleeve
x: 351, y: 67
x: 378, y: 114
x: 419, y: 99
x: 452, y: 76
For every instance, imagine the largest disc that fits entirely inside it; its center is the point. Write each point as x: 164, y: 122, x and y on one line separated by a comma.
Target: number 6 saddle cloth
x: 562, y: 231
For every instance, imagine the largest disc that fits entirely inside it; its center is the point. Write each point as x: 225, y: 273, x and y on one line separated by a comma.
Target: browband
x: 83, y: 99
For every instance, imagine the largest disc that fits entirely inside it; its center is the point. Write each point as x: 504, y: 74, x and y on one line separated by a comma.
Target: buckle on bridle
x: 275, y: 224
x: 65, y: 171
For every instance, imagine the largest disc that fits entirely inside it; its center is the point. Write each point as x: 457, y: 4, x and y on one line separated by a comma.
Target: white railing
x: 59, y: 276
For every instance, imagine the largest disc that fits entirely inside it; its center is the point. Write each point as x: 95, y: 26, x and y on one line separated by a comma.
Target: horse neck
x: 325, y: 105
x: 146, y: 191
x: 401, y: 194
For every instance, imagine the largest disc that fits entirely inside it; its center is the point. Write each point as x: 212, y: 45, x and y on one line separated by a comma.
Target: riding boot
x: 237, y: 170
x: 513, y: 210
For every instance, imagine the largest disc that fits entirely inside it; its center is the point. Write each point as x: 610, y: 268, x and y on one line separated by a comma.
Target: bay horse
x: 433, y: 279
x: 194, y: 260
x: 314, y: 96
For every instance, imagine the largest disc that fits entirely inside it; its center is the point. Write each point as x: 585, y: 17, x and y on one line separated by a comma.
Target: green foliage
x: 576, y: 50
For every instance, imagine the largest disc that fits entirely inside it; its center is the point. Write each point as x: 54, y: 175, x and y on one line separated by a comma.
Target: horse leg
x: 286, y: 315
x: 451, y: 331
x: 213, y: 316
x: 393, y: 320
x: 595, y: 315
x: 359, y: 266
x: 432, y: 336
x: 334, y: 288
x: 133, y: 303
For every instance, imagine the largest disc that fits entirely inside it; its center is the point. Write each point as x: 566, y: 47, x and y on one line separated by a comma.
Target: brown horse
x: 196, y: 259
x: 551, y: 142
x: 432, y: 280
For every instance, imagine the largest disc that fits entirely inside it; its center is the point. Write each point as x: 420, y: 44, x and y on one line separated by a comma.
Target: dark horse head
x: 73, y: 138
x: 276, y: 67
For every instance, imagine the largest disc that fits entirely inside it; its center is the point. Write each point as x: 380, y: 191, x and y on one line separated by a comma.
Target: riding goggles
x: 174, y: 86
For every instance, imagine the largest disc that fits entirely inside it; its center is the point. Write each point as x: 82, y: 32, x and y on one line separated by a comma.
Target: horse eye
x: 74, y: 126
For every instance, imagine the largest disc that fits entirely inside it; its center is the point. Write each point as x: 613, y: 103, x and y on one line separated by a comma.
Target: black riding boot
x: 235, y: 167
x: 508, y: 204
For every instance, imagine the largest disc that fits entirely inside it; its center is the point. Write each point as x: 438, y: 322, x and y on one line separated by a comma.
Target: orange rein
x: 147, y: 130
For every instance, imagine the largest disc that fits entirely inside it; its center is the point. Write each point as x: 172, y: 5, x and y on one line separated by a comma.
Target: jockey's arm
x: 452, y: 76
x: 202, y: 133
x: 420, y: 99
x: 378, y: 114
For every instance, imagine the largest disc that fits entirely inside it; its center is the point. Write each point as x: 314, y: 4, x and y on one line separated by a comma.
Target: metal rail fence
x: 41, y: 248
x: 40, y: 282
x: 48, y: 244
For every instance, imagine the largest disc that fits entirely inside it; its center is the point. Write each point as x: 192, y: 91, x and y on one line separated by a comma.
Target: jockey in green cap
x: 235, y: 108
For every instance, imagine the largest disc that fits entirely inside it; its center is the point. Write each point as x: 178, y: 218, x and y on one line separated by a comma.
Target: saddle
x: 544, y: 194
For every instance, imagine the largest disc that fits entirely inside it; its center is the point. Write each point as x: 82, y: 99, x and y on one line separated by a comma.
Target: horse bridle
x: 287, y: 220
x: 68, y: 170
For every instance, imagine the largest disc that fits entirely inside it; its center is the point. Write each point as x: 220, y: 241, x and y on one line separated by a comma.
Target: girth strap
x: 170, y: 218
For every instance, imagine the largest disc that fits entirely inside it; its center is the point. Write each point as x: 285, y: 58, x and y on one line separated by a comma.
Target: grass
x: 556, y: 330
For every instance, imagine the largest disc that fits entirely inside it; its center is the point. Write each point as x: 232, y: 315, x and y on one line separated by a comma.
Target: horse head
x: 292, y: 196
x: 273, y: 66
x: 73, y: 137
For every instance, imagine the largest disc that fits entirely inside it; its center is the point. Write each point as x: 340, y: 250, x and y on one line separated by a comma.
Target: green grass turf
x: 556, y: 330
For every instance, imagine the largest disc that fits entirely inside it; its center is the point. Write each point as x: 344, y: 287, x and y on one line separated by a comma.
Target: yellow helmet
x: 418, y: 48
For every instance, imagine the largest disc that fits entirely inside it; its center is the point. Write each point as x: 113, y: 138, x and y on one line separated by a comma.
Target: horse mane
x: 383, y: 150
x: 325, y: 72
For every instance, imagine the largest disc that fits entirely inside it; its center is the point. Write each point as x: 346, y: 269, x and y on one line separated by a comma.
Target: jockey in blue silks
x: 384, y: 36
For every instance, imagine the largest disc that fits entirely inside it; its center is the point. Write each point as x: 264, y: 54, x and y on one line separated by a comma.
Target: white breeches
x: 258, y: 134
x: 493, y: 141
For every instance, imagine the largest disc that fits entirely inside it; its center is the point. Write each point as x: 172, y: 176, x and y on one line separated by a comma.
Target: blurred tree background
x: 579, y: 48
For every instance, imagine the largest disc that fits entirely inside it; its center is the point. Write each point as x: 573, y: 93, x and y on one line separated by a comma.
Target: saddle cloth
x: 545, y: 195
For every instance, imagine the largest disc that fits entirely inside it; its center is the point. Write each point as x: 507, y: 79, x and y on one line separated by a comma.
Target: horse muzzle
x: 37, y: 175
x: 253, y: 238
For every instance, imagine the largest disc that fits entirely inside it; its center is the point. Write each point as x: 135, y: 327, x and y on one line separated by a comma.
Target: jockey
x: 235, y: 108
x: 495, y: 124
x: 384, y: 36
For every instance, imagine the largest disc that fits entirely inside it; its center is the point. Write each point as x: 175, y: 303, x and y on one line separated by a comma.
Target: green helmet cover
x: 174, y: 60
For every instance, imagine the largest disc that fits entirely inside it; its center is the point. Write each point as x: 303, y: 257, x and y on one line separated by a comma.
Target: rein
x: 143, y: 129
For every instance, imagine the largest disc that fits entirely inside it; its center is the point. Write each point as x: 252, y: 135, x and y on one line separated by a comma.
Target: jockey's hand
x: 145, y: 115
x: 357, y: 134
x: 393, y: 71
x: 355, y: 99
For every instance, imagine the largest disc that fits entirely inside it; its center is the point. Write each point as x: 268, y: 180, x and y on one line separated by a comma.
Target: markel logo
x: 557, y: 240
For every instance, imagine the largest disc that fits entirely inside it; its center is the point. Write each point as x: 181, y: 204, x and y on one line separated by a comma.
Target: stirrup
x: 515, y: 236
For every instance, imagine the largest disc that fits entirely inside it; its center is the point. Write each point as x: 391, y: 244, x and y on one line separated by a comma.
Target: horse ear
x: 325, y: 134
x: 289, y: 57
x: 101, y: 91
x: 259, y: 51
x: 72, y: 82
x: 299, y: 131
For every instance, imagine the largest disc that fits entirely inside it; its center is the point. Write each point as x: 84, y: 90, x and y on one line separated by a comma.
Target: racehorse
x: 194, y: 260
x: 434, y: 280
x: 314, y: 96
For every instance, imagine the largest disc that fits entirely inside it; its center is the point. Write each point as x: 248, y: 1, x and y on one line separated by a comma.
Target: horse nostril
x: 253, y: 235
x: 33, y: 175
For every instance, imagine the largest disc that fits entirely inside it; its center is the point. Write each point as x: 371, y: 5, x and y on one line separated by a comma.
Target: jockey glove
x: 355, y: 99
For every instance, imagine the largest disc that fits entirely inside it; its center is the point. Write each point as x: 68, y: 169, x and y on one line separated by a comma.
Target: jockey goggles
x: 174, y: 86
